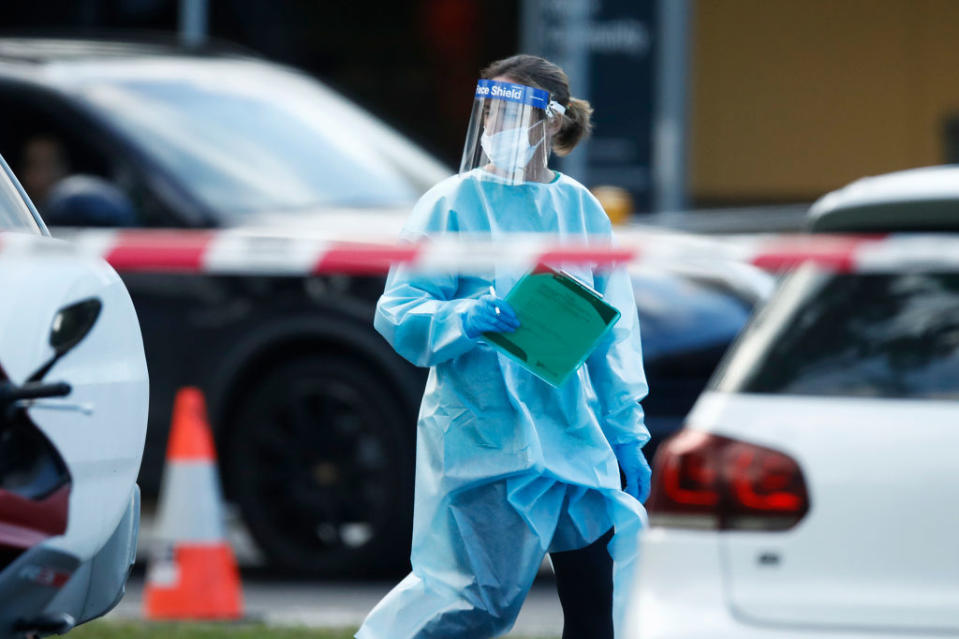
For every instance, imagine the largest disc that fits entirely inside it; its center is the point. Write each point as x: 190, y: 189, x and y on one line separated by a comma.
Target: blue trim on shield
x: 512, y: 93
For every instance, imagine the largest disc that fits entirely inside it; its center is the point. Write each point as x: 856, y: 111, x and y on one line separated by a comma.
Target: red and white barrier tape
x: 235, y: 252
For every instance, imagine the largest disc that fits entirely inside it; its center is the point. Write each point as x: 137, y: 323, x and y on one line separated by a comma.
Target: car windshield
x: 854, y: 335
x: 248, y: 137
x: 15, y: 215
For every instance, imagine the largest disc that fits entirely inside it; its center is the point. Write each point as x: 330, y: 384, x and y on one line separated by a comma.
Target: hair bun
x: 577, y: 125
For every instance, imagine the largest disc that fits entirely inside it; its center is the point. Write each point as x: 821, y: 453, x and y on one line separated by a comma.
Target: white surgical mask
x: 509, y: 149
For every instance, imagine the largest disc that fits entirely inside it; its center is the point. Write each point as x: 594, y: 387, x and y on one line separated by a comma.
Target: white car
x: 73, y: 411
x: 924, y: 199
x: 813, y: 489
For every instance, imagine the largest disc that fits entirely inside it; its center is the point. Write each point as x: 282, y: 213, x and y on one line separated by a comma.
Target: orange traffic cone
x: 194, y: 573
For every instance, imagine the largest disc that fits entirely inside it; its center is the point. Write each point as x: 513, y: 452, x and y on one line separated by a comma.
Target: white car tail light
x: 707, y: 481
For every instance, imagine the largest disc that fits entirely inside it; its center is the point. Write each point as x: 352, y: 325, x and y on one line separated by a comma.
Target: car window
x: 856, y: 335
x: 683, y: 314
x: 15, y: 215
x: 62, y: 165
x: 248, y: 138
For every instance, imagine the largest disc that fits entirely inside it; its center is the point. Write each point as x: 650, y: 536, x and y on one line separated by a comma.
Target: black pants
x: 584, y: 581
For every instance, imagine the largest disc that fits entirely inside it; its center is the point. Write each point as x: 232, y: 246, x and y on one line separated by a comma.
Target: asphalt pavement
x: 319, y: 604
x: 341, y: 605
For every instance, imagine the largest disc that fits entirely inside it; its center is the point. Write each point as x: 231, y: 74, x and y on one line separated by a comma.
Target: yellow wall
x: 792, y: 98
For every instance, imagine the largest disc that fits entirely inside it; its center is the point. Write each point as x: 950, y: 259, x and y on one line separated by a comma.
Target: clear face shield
x: 509, y: 134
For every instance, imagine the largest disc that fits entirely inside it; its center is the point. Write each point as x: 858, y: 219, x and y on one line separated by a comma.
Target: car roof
x: 48, y: 61
x: 39, y: 50
x: 923, y: 199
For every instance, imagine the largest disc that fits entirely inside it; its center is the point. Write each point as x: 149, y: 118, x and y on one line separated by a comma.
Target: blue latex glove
x: 482, y: 317
x: 635, y: 467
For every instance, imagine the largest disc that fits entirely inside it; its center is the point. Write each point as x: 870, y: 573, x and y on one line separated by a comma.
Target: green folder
x: 561, y: 322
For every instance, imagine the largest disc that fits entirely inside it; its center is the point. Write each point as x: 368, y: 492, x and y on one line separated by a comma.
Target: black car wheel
x: 320, y: 463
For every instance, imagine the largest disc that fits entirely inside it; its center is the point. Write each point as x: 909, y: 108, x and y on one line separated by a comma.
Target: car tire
x: 320, y: 464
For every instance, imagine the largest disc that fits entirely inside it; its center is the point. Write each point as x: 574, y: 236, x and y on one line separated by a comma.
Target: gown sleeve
x: 616, y: 365
x: 418, y: 313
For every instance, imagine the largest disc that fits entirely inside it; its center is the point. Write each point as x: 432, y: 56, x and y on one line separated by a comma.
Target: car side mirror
x: 70, y: 325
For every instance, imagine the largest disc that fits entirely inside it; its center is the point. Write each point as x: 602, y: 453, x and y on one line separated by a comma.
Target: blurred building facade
x: 792, y: 98
x: 782, y: 100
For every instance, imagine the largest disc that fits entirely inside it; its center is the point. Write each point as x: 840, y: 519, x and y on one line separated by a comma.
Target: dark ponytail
x: 577, y: 125
x: 538, y: 72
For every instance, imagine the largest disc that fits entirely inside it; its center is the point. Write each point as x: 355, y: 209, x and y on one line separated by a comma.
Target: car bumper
x: 678, y: 591
x: 680, y: 594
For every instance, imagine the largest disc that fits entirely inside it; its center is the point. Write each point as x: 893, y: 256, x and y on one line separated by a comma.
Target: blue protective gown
x: 508, y: 467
